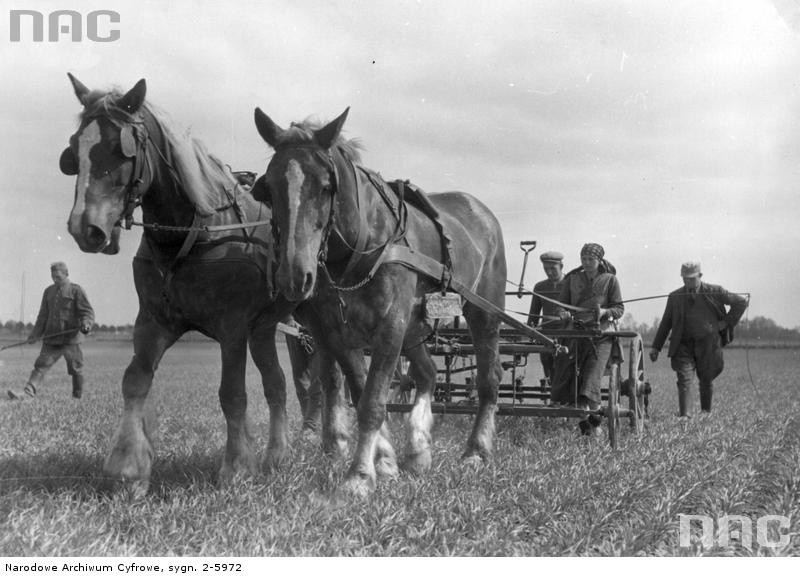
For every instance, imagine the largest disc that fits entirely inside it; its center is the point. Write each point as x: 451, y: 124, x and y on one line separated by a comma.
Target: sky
x: 666, y: 131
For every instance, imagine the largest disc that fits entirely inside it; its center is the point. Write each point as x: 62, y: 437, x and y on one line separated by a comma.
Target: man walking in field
x: 65, y: 315
x: 700, y: 326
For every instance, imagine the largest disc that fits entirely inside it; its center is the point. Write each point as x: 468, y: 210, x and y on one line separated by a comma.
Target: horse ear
x: 127, y: 141
x: 268, y: 130
x: 80, y: 88
x: 131, y: 102
x: 328, y: 134
x: 68, y: 163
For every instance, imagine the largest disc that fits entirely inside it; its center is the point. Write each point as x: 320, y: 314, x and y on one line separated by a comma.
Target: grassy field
x: 547, y: 493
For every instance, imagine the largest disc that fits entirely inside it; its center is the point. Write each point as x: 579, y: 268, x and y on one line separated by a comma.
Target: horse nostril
x: 95, y: 236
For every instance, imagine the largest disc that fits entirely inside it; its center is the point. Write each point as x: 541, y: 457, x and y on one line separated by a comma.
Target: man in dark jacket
x: 64, y: 317
x: 700, y: 325
x: 543, y: 311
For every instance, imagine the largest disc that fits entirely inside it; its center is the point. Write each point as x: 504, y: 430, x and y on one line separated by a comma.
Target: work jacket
x: 64, y: 307
x: 717, y: 298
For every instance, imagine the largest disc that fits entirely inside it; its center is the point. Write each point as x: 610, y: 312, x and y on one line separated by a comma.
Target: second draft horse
x: 339, y: 225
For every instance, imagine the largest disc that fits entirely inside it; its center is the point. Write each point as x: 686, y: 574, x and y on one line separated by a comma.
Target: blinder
x: 68, y: 162
x: 127, y: 141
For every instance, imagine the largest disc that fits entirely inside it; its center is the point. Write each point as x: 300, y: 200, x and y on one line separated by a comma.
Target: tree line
x: 757, y: 328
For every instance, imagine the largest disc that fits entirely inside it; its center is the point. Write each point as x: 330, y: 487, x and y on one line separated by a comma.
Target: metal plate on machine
x: 442, y: 306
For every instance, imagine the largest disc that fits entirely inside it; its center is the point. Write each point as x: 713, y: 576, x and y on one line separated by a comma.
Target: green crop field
x: 548, y: 491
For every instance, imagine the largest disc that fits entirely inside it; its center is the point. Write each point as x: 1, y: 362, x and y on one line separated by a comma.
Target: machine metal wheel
x: 401, y: 389
x: 635, y: 385
x: 612, y: 409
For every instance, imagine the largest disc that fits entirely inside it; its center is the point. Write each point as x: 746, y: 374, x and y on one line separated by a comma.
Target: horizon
x: 666, y: 132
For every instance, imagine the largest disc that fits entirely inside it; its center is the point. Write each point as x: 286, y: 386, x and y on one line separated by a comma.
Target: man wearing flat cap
x: 699, y: 326
x: 543, y: 307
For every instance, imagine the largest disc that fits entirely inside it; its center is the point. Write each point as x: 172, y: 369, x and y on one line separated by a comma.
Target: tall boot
x: 706, y: 392
x: 684, y: 402
x: 77, y: 386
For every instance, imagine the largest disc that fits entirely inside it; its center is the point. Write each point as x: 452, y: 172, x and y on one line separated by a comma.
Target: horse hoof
x: 474, y: 461
x: 128, y: 488
x: 359, y: 487
x: 308, y: 436
x: 337, y: 450
x: 274, y: 460
x: 229, y: 476
x: 386, y: 468
x: 417, y: 464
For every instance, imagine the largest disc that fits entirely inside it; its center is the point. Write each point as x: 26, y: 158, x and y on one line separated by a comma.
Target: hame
x: 69, y: 22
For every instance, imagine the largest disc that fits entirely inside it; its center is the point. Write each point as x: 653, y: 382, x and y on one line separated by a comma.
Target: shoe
x: 25, y: 395
x: 587, y: 429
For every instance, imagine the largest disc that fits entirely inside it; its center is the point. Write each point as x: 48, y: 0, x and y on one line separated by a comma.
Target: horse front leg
x: 239, y: 456
x: 486, y: 335
x: 335, y: 434
x: 374, y: 447
x: 265, y: 356
x: 131, y: 457
x: 422, y: 371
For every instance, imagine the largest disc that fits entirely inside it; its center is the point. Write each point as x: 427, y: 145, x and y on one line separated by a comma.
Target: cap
x: 552, y: 256
x: 690, y: 269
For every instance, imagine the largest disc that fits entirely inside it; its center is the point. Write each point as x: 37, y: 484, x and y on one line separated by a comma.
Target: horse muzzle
x: 94, y: 239
x: 297, y: 284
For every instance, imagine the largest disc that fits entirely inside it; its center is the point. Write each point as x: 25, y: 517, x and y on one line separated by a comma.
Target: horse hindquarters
x: 480, y: 263
x: 485, y: 332
x: 422, y: 371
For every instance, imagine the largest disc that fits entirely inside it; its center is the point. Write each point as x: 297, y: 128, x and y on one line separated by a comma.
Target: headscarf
x: 595, y: 250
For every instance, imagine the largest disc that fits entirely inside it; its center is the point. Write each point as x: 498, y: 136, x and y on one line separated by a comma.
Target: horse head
x: 106, y: 155
x: 300, y: 184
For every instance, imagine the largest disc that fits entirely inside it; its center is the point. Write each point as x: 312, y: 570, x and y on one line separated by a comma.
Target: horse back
x: 477, y: 249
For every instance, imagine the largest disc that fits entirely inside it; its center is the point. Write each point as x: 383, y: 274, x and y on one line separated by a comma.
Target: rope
x: 747, y: 355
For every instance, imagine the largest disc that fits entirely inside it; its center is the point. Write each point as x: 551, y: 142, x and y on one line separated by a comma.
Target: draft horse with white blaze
x: 364, y: 260
x: 205, y: 263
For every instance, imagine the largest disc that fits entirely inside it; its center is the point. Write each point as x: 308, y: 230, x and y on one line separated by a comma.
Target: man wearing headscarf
x: 543, y: 305
x: 594, y: 290
x: 700, y: 326
x: 65, y: 315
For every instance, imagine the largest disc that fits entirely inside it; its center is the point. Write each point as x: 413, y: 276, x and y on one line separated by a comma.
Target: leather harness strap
x: 420, y: 262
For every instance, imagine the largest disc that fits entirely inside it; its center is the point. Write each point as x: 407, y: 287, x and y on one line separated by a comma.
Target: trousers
x: 590, y: 357
x: 48, y: 356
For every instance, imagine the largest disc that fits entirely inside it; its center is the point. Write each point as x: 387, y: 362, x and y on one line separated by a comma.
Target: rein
x: 201, y: 228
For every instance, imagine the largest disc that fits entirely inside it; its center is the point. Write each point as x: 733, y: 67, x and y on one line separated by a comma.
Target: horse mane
x: 303, y: 131
x: 201, y: 174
